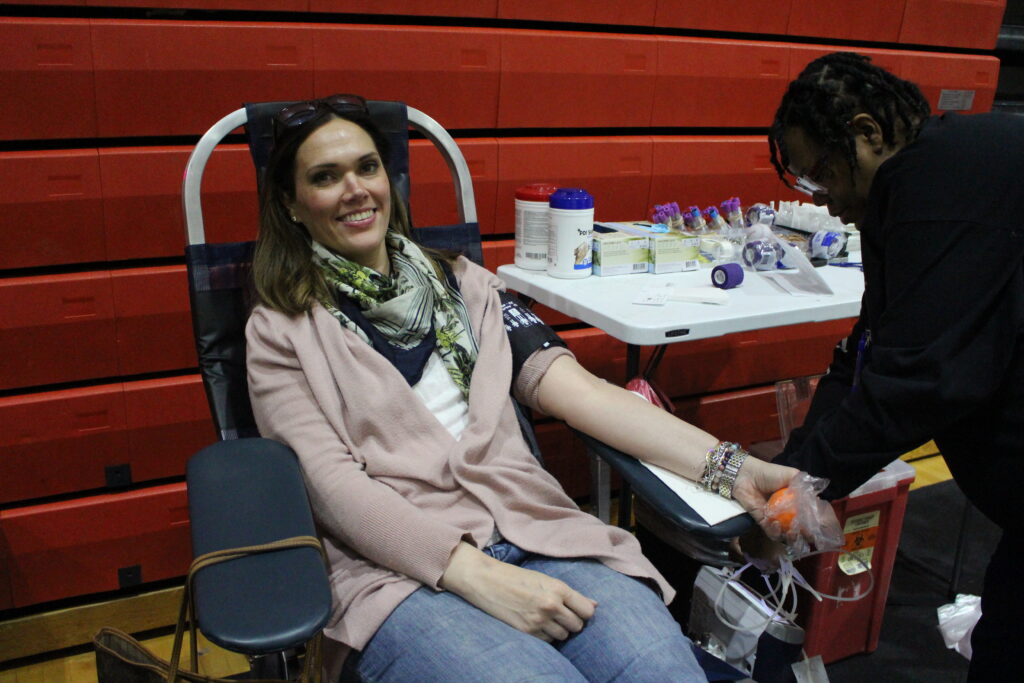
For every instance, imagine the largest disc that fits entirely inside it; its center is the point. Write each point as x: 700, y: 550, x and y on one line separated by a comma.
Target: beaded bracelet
x: 721, y: 467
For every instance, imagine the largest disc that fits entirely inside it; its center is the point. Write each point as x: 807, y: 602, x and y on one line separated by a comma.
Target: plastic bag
x: 646, y: 390
x: 957, y: 620
x: 804, y: 520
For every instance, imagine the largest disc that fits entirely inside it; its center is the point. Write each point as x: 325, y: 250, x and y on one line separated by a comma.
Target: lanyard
x: 863, y: 347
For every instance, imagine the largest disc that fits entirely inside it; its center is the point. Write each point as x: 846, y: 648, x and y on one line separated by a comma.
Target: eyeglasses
x: 295, y: 115
x: 809, y: 183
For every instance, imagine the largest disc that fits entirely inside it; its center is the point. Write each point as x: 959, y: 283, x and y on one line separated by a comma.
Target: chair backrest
x: 219, y: 274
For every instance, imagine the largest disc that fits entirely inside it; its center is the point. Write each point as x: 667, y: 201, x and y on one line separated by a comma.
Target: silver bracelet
x: 732, y: 469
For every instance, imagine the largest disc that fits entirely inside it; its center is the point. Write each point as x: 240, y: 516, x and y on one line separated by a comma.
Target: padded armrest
x: 249, y: 492
x: 662, y: 499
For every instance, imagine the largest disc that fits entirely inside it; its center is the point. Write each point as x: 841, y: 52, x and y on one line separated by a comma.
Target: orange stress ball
x: 781, y: 508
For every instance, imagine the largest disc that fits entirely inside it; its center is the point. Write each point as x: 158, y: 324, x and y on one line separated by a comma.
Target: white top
x: 442, y: 396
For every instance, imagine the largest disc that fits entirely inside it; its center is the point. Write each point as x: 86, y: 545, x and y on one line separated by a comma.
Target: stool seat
x: 249, y: 492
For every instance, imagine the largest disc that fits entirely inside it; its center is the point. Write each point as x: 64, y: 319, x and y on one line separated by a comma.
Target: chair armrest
x: 662, y: 499
x: 249, y: 492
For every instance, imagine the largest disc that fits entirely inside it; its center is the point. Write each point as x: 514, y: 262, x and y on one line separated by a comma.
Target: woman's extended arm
x: 627, y: 422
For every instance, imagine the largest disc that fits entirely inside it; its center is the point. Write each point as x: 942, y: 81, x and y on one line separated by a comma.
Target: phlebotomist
x: 938, y: 351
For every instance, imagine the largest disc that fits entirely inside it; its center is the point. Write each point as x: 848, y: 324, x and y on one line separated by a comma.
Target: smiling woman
x: 342, y: 194
x: 388, y: 369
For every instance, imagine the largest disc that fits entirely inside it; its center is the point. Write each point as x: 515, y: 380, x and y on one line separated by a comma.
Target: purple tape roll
x: 727, y: 275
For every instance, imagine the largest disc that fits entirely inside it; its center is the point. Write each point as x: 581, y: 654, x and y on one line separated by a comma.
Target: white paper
x: 652, y: 296
x: 699, y: 295
x: 657, y: 296
x: 710, y: 506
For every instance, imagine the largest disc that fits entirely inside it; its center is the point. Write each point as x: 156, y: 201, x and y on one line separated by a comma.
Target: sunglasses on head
x: 297, y: 114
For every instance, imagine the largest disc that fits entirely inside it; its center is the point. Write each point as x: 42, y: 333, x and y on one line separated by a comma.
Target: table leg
x: 632, y: 361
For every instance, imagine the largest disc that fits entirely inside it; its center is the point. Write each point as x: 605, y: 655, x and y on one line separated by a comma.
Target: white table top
x: 607, y: 303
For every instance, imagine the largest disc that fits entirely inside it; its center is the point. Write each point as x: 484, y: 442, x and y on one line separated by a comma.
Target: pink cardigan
x: 392, y: 492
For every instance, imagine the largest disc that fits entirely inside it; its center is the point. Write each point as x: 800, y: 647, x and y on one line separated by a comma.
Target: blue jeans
x: 438, y: 636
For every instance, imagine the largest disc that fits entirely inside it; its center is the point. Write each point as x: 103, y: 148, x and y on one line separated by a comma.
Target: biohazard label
x: 861, y: 532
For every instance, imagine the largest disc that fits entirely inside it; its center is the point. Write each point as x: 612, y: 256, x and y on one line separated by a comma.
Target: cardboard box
x: 619, y: 253
x: 670, y: 252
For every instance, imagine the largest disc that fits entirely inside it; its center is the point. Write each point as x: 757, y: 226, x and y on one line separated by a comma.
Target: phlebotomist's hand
x: 526, y: 600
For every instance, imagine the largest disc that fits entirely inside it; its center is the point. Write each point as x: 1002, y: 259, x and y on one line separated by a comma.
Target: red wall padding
x: 114, y: 204
x: 564, y: 79
x: 615, y: 170
x: 432, y: 194
x: 142, y: 199
x: 870, y: 20
x: 76, y: 547
x: 744, y: 16
x: 57, y: 328
x: 145, y: 69
x: 506, y: 78
x: 51, y: 208
x: 719, y: 82
x: 253, y: 5
x: 60, y: 442
x: 63, y: 328
x: 154, y: 323
x: 704, y: 171
x: 933, y: 72
x: 442, y: 8
x: 614, y: 12
x: 409, y: 64
x: 953, y: 23
x: 47, y: 79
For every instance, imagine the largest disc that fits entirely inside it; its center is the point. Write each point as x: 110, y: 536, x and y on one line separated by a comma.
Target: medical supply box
x: 619, y: 253
x: 670, y: 252
x: 871, y: 518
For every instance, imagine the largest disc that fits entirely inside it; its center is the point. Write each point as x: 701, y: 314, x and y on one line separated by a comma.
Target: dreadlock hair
x: 833, y: 89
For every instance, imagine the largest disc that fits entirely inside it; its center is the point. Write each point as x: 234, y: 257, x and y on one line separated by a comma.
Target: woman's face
x: 342, y: 193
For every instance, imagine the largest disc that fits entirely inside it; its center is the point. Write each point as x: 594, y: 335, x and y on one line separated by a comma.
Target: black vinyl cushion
x: 249, y: 492
x: 663, y: 499
x: 219, y: 290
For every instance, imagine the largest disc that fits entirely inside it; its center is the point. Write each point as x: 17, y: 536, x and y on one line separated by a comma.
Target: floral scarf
x: 404, y: 305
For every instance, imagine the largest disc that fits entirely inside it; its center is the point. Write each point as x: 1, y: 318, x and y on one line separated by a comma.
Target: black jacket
x: 943, y: 251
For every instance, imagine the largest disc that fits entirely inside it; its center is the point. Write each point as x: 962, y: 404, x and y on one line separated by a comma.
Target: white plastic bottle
x: 570, y: 233
x: 532, y: 225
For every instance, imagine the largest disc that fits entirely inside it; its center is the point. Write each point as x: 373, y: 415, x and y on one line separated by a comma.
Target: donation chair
x: 245, y: 490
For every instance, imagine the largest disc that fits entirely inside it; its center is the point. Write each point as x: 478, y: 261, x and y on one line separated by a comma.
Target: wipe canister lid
x: 535, y: 192
x: 571, y: 198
